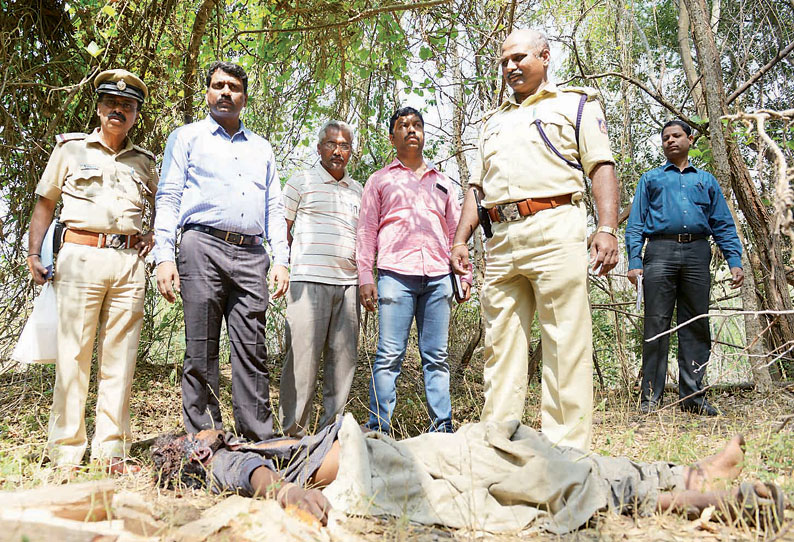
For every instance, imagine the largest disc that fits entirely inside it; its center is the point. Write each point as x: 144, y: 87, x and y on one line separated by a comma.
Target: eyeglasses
x: 332, y: 146
x: 127, y: 107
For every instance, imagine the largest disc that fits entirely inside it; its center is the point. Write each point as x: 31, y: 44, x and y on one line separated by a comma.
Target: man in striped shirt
x: 322, y: 205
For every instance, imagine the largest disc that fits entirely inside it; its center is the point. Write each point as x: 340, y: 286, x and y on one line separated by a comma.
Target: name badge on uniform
x: 88, y: 167
x: 444, y: 190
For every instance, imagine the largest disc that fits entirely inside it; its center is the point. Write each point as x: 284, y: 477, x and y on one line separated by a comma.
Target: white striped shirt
x: 325, y: 212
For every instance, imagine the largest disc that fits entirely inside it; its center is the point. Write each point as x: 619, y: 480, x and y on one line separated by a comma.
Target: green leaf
x: 93, y: 49
x: 109, y: 10
x: 425, y: 53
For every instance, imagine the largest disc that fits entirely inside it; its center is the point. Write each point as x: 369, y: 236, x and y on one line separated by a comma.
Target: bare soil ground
x: 619, y: 430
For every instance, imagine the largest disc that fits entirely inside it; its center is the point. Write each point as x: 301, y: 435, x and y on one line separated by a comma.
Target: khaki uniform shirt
x: 325, y: 212
x: 517, y: 164
x: 102, y: 191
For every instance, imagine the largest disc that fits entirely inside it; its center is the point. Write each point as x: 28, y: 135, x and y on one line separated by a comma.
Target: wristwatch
x: 606, y: 229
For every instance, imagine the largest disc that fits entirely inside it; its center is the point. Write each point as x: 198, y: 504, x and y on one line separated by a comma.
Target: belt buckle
x: 508, y: 212
x: 234, y: 238
x: 115, y: 240
x: 684, y: 237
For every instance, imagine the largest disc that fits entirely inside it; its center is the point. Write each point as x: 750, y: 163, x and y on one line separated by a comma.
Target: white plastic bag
x: 38, y: 341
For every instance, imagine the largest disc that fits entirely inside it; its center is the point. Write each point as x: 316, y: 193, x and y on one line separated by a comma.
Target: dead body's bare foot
x: 719, y: 470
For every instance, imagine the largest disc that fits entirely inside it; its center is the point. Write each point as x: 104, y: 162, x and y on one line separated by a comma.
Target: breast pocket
x: 700, y: 197
x: 86, y: 184
x: 559, y: 133
x: 134, y: 187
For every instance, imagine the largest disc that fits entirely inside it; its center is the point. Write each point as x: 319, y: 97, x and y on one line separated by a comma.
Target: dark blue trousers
x: 675, y: 274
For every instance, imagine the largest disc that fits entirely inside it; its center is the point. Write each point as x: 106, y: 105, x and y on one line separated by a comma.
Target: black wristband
x: 34, y: 254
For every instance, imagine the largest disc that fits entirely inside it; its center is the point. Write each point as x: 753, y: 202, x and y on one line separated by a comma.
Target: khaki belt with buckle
x: 508, y: 212
x: 100, y: 240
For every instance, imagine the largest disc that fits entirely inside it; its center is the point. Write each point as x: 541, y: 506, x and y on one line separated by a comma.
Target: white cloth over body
x: 489, y: 476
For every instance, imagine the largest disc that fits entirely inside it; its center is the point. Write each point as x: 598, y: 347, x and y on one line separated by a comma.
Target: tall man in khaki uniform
x: 535, y: 150
x: 103, y: 180
x: 322, y: 204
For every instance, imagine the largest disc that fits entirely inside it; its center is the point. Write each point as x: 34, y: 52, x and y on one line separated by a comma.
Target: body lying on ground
x: 486, y: 476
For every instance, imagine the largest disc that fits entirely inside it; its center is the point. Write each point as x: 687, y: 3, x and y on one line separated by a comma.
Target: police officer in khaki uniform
x: 535, y: 150
x: 103, y: 180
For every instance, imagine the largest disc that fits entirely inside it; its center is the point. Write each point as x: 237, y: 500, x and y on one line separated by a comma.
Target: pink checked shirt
x: 410, y: 222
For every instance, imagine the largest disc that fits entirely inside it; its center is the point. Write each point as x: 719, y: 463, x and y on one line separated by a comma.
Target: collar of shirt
x: 94, y: 137
x: 669, y: 165
x: 396, y: 163
x: 330, y: 179
x: 548, y: 88
x: 215, y: 128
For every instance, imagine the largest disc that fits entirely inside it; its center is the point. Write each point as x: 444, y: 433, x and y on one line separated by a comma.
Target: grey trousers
x: 322, y: 321
x: 224, y: 281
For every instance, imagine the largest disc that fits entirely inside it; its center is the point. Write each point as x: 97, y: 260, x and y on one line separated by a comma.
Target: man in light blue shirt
x: 677, y: 207
x: 219, y: 186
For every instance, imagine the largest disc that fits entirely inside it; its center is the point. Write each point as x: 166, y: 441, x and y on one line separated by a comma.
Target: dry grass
x: 619, y: 430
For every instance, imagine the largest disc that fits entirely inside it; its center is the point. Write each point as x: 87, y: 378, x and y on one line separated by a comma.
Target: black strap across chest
x: 552, y: 148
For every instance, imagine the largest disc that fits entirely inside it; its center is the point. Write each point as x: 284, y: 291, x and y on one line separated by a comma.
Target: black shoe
x: 647, y: 407
x: 700, y: 407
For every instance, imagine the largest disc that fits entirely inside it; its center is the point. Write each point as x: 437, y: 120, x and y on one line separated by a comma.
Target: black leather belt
x: 228, y: 236
x: 680, y: 237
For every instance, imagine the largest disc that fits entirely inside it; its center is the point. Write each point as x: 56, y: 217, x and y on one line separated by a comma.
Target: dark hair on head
x: 403, y: 112
x: 173, y: 468
x: 676, y: 122
x: 235, y: 70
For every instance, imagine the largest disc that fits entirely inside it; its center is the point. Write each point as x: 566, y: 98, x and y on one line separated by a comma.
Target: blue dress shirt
x: 670, y: 201
x: 212, y: 179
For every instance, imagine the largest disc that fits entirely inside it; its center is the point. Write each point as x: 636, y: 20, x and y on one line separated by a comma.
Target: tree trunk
x: 729, y: 164
x: 191, y: 56
x: 688, y: 63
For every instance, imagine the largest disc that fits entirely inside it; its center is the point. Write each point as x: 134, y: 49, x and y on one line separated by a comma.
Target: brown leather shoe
x: 118, y: 466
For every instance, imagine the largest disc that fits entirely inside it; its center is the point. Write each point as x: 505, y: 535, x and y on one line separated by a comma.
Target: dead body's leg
x: 719, y: 470
x: 706, y: 481
x: 755, y: 503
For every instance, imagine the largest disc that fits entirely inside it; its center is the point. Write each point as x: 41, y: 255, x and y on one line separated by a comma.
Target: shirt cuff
x: 635, y: 263
x: 365, y: 277
x: 162, y: 255
x: 735, y: 262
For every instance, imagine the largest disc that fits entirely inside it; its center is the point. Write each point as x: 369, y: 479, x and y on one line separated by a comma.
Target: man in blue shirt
x: 677, y: 207
x: 219, y: 186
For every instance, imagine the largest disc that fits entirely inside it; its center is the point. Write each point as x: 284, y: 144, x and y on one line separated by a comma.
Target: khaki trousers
x: 106, y: 287
x: 540, y: 262
x: 322, y: 321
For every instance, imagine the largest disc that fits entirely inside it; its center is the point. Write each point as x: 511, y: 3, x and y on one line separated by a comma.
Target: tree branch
x: 656, y: 96
x: 757, y: 75
x: 366, y: 14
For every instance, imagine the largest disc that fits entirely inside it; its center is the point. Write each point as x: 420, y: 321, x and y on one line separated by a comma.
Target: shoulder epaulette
x: 144, y: 151
x: 592, y: 94
x: 488, y: 114
x: 72, y: 136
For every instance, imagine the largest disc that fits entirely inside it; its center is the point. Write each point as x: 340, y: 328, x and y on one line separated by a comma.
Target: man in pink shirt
x: 409, y: 212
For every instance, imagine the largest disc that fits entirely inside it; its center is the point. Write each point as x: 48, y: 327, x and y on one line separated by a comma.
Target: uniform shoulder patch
x: 144, y: 151
x: 72, y: 136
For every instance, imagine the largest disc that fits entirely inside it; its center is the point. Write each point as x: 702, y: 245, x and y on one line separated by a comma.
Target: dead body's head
x: 180, y: 460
